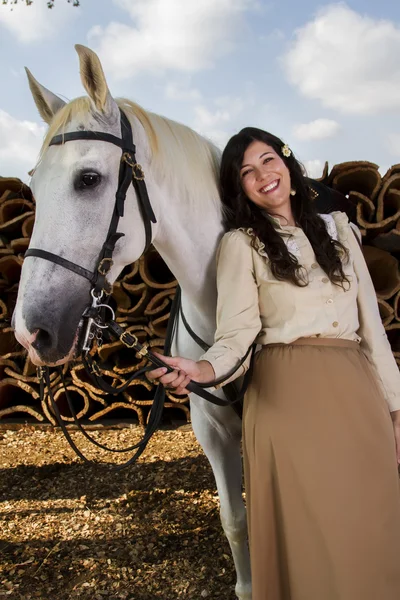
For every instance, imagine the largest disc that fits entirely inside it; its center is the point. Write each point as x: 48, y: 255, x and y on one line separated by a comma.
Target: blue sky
x: 324, y: 76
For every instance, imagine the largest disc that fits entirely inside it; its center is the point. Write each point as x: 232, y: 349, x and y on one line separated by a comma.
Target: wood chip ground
x: 69, y: 530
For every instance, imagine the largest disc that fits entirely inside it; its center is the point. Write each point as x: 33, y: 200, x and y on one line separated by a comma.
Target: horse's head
x: 75, y: 186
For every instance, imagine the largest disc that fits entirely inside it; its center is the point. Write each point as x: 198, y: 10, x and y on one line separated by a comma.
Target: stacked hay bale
x: 18, y: 389
x: 377, y: 202
x: 143, y: 295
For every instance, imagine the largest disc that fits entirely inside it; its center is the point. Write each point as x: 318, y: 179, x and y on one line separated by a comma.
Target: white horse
x: 72, y: 220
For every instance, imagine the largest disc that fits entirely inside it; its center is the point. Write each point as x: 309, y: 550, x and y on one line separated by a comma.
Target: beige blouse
x: 254, y: 306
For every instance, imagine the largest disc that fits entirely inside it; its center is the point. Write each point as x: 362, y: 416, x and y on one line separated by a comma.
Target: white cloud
x: 169, y: 34
x: 319, y: 129
x: 217, y: 124
x: 314, y: 168
x: 20, y: 145
x: 348, y: 61
x: 218, y: 137
x: 36, y: 22
x: 211, y: 124
x: 177, y: 91
x: 206, y: 118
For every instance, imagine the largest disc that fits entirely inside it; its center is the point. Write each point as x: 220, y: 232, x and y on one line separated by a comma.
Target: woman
x: 319, y: 451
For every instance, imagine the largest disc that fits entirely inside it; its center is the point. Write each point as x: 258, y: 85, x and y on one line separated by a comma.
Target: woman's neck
x: 285, y: 217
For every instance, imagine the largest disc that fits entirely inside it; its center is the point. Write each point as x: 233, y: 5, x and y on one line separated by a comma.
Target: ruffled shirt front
x: 253, y: 306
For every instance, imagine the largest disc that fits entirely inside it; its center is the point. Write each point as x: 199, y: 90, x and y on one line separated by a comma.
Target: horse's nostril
x: 43, y: 340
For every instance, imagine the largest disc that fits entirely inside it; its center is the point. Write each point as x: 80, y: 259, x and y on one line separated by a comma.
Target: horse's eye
x: 88, y: 179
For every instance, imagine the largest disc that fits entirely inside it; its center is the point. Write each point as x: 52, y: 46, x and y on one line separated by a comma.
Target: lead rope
x: 155, y: 415
x: 157, y: 407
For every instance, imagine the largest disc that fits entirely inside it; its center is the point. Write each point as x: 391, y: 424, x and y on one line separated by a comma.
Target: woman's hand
x: 184, y: 371
x: 396, y: 426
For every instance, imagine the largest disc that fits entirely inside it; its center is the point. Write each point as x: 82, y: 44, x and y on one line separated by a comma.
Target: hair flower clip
x: 286, y: 151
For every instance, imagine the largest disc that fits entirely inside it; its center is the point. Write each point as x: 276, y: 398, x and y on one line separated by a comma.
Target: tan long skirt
x: 321, y: 476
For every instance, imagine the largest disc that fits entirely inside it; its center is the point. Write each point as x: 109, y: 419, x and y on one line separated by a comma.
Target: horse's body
x: 72, y: 221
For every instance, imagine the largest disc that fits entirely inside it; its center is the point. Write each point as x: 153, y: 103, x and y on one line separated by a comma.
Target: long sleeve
x: 374, y: 341
x: 238, y: 316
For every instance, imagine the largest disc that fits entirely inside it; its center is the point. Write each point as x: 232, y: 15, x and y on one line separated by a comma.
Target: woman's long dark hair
x: 239, y: 211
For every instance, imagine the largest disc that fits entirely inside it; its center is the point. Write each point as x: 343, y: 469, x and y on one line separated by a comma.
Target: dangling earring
x: 292, y: 192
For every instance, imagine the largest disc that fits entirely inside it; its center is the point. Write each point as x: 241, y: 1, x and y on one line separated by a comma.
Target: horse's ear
x: 93, y: 79
x: 47, y: 103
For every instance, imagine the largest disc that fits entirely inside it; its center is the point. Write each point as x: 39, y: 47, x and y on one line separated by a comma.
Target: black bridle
x: 129, y: 172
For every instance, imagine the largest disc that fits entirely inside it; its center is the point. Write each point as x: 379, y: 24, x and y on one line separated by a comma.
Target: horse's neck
x: 188, y: 244
x: 188, y: 234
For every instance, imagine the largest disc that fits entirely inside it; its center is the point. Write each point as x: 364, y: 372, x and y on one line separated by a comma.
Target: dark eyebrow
x: 261, y: 155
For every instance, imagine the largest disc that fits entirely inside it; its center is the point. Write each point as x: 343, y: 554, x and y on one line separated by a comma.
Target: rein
x: 130, y: 172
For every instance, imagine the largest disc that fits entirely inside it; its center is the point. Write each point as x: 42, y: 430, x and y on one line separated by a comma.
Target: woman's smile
x: 271, y: 187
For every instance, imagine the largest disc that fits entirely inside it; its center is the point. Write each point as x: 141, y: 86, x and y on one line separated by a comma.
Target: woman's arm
x: 238, y: 313
x: 238, y: 319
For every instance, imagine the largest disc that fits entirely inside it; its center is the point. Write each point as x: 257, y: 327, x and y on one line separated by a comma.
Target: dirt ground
x: 69, y: 530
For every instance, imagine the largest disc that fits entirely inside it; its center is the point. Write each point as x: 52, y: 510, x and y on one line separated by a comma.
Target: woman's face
x: 265, y: 178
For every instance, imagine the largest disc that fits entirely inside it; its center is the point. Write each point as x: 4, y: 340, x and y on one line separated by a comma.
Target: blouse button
x: 325, y: 280
x: 314, y: 266
x: 329, y: 301
x: 335, y: 323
